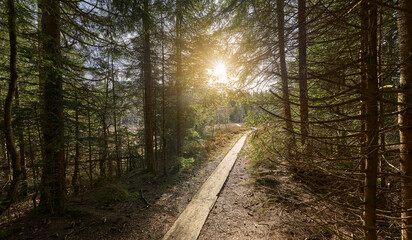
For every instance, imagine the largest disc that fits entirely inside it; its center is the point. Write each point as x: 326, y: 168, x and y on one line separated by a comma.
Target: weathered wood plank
x: 191, y: 220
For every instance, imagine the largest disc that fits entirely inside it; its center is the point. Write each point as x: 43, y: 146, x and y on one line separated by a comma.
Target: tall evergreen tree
x: 53, y: 182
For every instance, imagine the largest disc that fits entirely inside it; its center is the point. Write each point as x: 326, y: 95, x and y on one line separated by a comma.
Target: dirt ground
x: 261, y: 205
x: 238, y: 212
x: 160, y: 201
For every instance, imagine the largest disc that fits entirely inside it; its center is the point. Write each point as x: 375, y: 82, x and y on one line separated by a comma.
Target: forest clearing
x: 119, y: 116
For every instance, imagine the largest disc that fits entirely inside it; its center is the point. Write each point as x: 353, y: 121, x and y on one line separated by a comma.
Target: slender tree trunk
x: 21, y: 148
x: 405, y: 117
x: 75, y: 178
x: 179, y: 78
x: 148, y: 116
x: 155, y: 132
x: 163, y: 104
x: 11, y: 148
x: 372, y: 126
x: 89, y: 124
x: 53, y: 189
x: 381, y: 105
x: 31, y: 152
x: 284, y: 74
x: 108, y: 157
x: 40, y: 133
x: 103, y: 159
x: 303, y: 85
x: 3, y: 154
x: 116, y: 135
x: 129, y: 165
x: 363, y: 56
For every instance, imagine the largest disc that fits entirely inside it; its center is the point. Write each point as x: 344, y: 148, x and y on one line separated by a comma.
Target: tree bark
x: 363, y: 61
x: 382, y: 142
x: 75, y: 178
x: 22, y: 151
x: 179, y: 78
x: 31, y: 152
x: 372, y: 126
x: 8, y: 105
x: 53, y: 186
x: 116, y: 135
x: 103, y: 158
x: 163, y: 104
x: 284, y: 74
x: 303, y: 85
x: 148, y: 107
x: 405, y: 117
x: 89, y: 126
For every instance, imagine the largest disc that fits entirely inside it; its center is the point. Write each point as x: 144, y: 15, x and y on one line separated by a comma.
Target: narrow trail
x: 241, y: 212
x: 190, y: 222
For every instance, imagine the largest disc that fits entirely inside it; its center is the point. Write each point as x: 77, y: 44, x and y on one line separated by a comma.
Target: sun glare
x: 219, y: 73
x: 220, y: 69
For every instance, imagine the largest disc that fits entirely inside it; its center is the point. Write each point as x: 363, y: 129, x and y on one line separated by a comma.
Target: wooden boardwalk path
x: 190, y: 222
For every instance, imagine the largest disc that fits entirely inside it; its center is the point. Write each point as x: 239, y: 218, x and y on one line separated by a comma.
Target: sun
x: 219, y: 69
x: 219, y: 72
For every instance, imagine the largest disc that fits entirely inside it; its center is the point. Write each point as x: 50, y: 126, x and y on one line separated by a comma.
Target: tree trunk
x: 284, y: 75
x: 53, y: 194
x: 148, y: 107
x: 405, y: 117
x: 31, y: 152
x: 179, y: 78
x: 89, y: 124
x: 381, y: 105
x: 22, y: 152
x: 11, y: 148
x: 155, y: 132
x: 4, y: 163
x: 372, y: 126
x: 75, y: 178
x: 363, y: 60
x: 116, y: 135
x: 103, y: 158
x: 303, y: 85
x: 163, y: 104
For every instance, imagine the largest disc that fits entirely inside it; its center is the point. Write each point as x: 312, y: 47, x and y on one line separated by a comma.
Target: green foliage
x: 193, y: 143
x: 114, y: 192
x: 185, y: 163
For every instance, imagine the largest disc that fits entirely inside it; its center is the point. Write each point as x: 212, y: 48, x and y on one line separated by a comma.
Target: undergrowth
x: 114, y: 192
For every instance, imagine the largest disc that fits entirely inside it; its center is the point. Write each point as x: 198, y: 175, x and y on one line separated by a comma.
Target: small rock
x: 54, y: 236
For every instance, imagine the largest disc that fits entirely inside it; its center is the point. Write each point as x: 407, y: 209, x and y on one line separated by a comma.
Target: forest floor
x: 248, y: 207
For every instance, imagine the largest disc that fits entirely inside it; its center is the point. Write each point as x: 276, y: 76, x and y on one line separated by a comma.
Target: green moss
x: 114, y: 192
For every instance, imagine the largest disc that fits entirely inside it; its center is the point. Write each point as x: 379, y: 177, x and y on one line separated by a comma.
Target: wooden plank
x: 191, y: 220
